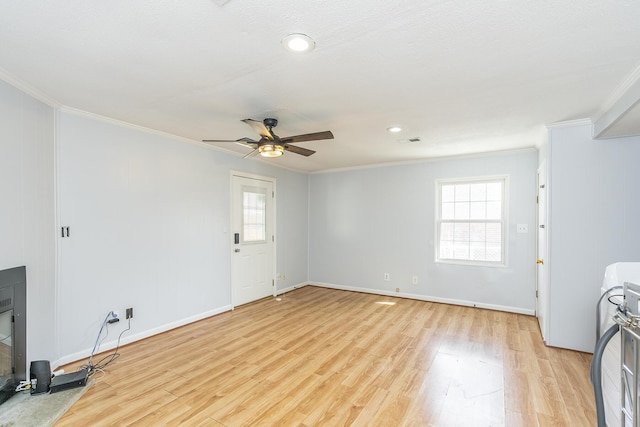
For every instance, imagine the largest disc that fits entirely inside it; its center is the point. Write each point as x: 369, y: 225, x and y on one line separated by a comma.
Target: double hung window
x: 470, y: 220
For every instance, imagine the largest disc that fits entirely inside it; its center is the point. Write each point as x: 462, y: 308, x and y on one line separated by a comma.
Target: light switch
x: 522, y: 228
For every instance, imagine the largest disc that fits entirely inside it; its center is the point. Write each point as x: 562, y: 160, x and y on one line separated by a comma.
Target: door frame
x: 542, y: 272
x: 272, y: 180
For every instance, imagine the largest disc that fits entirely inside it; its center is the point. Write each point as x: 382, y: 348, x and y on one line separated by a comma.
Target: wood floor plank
x: 326, y: 357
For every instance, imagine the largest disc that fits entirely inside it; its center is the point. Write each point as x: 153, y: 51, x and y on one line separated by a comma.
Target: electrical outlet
x: 414, y: 280
x: 397, y: 289
x: 129, y: 312
x: 386, y: 277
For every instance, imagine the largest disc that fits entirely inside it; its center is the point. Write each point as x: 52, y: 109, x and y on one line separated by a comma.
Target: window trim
x: 505, y: 219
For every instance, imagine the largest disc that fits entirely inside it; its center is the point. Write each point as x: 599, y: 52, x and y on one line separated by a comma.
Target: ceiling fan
x: 270, y: 144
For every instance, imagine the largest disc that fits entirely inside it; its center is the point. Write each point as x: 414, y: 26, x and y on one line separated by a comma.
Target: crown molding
x: 625, y: 98
x: 619, y: 93
x: 430, y: 160
x: 569, y: 124
x: 121, y: 123
x: 28, y: 89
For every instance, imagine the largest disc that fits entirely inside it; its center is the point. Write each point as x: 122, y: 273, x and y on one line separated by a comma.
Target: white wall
x: 149, y: 224
x: 593, y: 221
x: 367, y: 222
x: 27, y: 209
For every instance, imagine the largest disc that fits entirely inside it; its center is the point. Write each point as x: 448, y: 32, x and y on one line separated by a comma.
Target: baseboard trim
x: 128, y: 339
x: 517, y: 310
x: 292, y: 288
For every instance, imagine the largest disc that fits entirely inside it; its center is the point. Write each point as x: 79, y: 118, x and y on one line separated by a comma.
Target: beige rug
x: 42, y: 410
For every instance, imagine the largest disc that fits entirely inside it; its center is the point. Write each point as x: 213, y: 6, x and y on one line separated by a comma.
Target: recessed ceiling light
x: 394, y: 129
x: 298, y: 43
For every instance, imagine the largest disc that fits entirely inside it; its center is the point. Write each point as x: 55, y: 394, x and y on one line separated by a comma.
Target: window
x: 470, y: 221
x: 254, y: 215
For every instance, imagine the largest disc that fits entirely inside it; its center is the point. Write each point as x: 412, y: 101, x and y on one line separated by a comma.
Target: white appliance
x: 615, y: 275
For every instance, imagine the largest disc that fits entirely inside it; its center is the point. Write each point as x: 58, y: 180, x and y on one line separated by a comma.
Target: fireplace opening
x: 13, y: 331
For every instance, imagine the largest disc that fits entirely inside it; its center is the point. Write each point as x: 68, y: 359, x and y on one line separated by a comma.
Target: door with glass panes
x: 253, y: 238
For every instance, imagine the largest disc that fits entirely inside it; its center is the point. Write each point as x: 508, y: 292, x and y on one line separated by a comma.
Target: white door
x: 542, y: 291
x: 253, y: 239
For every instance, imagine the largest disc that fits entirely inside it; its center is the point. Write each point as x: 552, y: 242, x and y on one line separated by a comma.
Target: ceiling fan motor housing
x: 270, y: 123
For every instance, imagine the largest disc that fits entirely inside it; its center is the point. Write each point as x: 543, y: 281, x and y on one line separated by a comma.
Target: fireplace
x: 13, y: 330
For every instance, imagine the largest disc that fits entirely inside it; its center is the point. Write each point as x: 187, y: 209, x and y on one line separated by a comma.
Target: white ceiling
x: 463, y: 76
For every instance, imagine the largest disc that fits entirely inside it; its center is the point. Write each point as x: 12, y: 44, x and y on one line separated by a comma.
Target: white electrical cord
x: 23, y: 385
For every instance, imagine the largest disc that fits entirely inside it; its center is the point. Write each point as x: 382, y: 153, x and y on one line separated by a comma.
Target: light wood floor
x: 328, y: 357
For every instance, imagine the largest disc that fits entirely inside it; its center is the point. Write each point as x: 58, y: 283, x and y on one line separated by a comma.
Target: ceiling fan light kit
x: 271, y: 150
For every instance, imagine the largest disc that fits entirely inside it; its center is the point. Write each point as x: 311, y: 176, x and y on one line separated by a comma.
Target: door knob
x: 539, y: 261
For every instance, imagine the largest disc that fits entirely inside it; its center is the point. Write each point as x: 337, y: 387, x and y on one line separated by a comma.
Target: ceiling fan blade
x: 260, y: 128
x: 252, y: 146
x: 245, y: 142
x: 298, y: 150
x: 251, y: 154
x: 248, y: 142
x: 240, y: 141
x: 316, y: 136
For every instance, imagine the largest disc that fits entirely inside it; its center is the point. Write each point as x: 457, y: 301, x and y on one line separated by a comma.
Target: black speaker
x: 41, y: 372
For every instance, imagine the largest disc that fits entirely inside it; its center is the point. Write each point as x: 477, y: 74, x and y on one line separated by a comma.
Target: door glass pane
x: 254, y: 215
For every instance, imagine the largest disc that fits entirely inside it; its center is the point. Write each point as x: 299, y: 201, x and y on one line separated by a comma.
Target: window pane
x: 494, y: 210
x: 446, y: 231
x: 462, y: 193
x: 447, y: 193
x: 461, y: 232
x: 494, y: 191
x: 448, y: 210
x: 460, y: 251
x: 461, y: 210
x: 478, y: 192
x: 254, y: 221
x: 494, y: 232
x: 478, y: 232
x: 477, y: 251
x: 446, y: 250
x: 494, y: 252
x: 478, y: 210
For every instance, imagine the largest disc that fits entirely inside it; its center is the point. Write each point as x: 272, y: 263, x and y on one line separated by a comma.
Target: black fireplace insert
x: 13, y: 330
